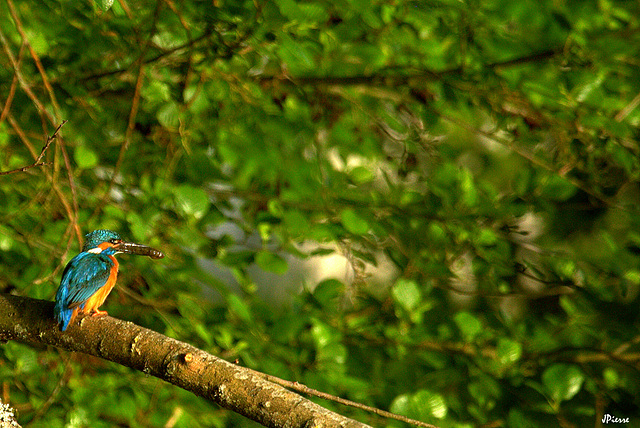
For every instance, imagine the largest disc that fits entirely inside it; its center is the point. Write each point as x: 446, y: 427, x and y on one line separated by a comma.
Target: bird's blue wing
x: 85, y: 274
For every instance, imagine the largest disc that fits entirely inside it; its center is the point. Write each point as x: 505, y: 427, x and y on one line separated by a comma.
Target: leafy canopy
x: 474, y: 165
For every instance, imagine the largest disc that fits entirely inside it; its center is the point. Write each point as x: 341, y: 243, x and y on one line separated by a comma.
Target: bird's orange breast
x: 97, y: 299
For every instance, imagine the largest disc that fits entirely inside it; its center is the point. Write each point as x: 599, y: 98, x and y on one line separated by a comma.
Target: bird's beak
x: 141, y: 250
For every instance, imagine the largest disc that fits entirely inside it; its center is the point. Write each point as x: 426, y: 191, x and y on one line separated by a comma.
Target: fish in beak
x: 138, y: 249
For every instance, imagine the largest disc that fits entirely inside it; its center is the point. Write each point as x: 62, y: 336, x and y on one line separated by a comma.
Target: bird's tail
x: 63, y: 314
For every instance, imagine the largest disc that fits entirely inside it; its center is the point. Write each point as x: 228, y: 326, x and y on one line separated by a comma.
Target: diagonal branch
x: 38, y: 161
x: 231, y: 386
x: 296, y: 386
x: 34, y: 55
x: 398, y: 79
x: 133, y: 112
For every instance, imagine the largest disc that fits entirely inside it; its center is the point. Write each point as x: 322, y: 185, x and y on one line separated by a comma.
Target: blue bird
x: 90, y: 276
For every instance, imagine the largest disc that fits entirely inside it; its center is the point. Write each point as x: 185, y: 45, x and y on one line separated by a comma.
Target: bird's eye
x: 115, y: 241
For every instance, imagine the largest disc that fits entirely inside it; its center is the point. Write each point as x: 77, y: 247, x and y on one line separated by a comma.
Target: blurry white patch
x: 96, y: 250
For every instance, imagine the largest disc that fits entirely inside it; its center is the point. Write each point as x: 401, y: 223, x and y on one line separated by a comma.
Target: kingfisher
x: 90, y: 276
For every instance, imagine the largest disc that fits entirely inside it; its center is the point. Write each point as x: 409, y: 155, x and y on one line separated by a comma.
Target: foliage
x: 474, y: 164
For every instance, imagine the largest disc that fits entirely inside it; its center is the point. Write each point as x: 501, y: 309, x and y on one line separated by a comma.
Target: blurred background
x: 430, y: 207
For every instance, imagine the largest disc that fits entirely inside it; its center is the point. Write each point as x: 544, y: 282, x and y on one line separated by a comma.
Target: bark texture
x: 233, y: 387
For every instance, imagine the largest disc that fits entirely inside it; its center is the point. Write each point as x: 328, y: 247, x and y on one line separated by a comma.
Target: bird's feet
x: 97, y: 313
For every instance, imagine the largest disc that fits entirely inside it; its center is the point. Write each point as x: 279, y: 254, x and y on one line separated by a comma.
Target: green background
x: 429, y: 207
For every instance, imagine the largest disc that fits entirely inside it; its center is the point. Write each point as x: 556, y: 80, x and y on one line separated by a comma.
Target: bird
x: 90, y: 276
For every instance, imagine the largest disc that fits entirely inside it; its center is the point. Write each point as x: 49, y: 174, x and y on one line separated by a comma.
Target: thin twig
x: 38, y: 161
x: 12, y: 89
x: 42, y: 111
x: 395, y: 80
x: 34, y: 55
x: 622, y: 114
x: 534, y: 160
x: 44, y: 114
x: 54, y: 103
x: 228, y: 385
x: 296, y: 386
x: 133, y: 112
x: 62, y: 381
x: 147, y: 61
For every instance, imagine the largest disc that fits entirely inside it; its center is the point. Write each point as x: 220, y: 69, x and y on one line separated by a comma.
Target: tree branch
x: 231, y: 386
x: 403, y: 78
x: 296, y: 386
x: 38, y: 161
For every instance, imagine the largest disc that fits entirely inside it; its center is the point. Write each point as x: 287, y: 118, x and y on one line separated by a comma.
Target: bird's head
x: 109, y: 242
x: 100, y: 239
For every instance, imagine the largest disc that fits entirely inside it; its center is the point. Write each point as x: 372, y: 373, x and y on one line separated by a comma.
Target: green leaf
x: 189, y: 306
x: 407, y: 294
x: 192, y: 201
x: 298, y: 56
x: 27, y: 361
x: 436, y: 233
x: 485, y: 390
x: 223, y: 335
x: 271, y: 262
x: 422, y: 405
x: 557, y: 188
x: 518, y: 418
x: 322, y: 334
x: 6, y: 240
x: 562, y: 381
x: 611, y: 378
x: 486, y: 237
x: 328, y: 292
x: 353, y: 222
x: 168, y: 115
x: 361, y: 175
x: 85, y: 157
x: 508, y: 351
x: 156, y: 93
x: 239, y: 307
x: 105, y: 5
x: 295, y: 222
x: 469, y: 325
x: 203, y: 333
x: 633, y: 275
x: 430, y: 403
x: 4, y: 135
x: 468, y: 188
x: 302, y: 12
x: 333, y: 352
x: 401, y: 405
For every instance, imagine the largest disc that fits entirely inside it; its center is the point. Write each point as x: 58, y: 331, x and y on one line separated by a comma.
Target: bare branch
x: 397, y: 79
x: 296, y: 386
x: 38, y: 161
x: 233, y: 387
x: 34, y: 55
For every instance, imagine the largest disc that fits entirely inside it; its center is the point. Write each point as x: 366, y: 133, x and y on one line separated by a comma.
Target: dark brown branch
x: 296, y: 386
x: 34, y: 55
x: 400, y: 78
x: 24, y: 168
x: 167, y: 52
x: 38, y: 161
x: 231, y: 386
x: 42, y: 111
